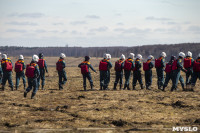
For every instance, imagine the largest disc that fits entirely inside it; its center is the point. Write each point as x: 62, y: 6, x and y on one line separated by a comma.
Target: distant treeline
x: 145, y: 50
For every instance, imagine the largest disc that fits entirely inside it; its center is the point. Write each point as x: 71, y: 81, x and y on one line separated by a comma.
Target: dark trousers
x: 104, y: 78
x: 7, y: 76
x: 127, y: 77
x: 148, y: 78
x: 42, y: 77
x: 160, y: 76
x: 167, y: 79
x: 188, y: 75
x: 18, y: 76
x: 119, y: 77
x: 177, y: 77
x: 32, y: 84
x: 62, y: 77
x: 89, y: 77
x: 137, y: 77
x: 195, y: 76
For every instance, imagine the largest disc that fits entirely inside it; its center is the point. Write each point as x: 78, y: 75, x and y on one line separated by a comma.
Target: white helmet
x: 131, y: 55
x: 199, y: 55
x: 109, y: 57
x: 181, y: 54
x: 122, y: 57
x: 163, y: 54
x: 139, y: 56
x: 105, y: 56
x: 4, y: 56
x: 21, y: 57
x: 189, y: 54
x: 150, y: 57
x: 35, y: 58
x: 62, y: 55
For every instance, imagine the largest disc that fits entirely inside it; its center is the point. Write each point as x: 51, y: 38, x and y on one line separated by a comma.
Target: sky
x: 89, y: 23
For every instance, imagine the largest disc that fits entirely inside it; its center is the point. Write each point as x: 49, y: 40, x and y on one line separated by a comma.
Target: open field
x: 75, y: 110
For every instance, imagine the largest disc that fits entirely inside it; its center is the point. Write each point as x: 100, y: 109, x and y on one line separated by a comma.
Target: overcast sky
x: 98, y: 22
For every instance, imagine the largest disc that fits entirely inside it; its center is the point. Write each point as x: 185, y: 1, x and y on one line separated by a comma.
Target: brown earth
x: 73, y: 110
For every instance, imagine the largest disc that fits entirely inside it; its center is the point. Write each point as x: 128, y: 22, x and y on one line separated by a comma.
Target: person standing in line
x: 137, y: 75
x: 188, y: 63
x: 60, y: 67
x: 32, y: 73
x: 160, y: 65
x: 168, y: 71
x: 196, y: 73
x: 43, y: 68
x: 176, y: 68
x: 147, y: 67
x: 129, y: 65
x: 104, y: 67
x: 7, y: 67
x: 19, y: 69
x: 85, y: 66
x: 119, y: 64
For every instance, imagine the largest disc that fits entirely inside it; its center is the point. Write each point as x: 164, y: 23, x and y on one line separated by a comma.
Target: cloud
x: 171, y: 23
x: 16, y: 30
x: 132, y: 30
x: 118, y: 14
x: 120, y: 23
x: 160, y: 30
x: 169, y: 3
x: 27, y: 15
x: 22, y: 23
x: 194, y: 28
x: 58, y: 23
x: 100, y: 29
x: 93, y: 16
x: 158, y: 19
x: 64, y: 31
x: 78, y: 22
x: 40, y: 31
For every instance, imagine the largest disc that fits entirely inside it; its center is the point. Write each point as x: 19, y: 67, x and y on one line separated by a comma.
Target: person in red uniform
x: 85, y: 66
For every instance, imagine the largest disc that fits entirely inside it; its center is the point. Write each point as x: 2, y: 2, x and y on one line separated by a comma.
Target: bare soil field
x: 74, y: 110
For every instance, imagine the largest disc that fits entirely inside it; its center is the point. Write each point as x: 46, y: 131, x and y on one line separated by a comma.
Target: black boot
x: 163, y: 89
x: 101, y: 88
x: 125, y: 85
x: 183, y: 88
x: 42, y: 87
x: 16, y: 87
x: 133, y: 87
x: 32, y: 96
x: 25, y: 93
x: 60, y: 87
x: 148, y: 87
x: 192, y: 88
x: 142, y: 87
x: 84, y: 88
x: 172, y: 89
x: 3, y: 87
x: 128, y: 87
x: 91, y: 86
x: 12, y: 89
x: 120, y: 86
x: 115, y: 85
x: 105, y: 88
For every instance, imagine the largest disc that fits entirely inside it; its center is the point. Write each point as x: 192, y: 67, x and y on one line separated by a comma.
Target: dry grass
x: 75, y: 109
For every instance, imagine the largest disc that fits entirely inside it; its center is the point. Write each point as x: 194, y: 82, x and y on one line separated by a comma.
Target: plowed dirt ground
x: 74, y: 110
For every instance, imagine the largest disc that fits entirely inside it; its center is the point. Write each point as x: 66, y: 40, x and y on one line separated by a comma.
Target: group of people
x: 124, y: 67
x: 35, y: 71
